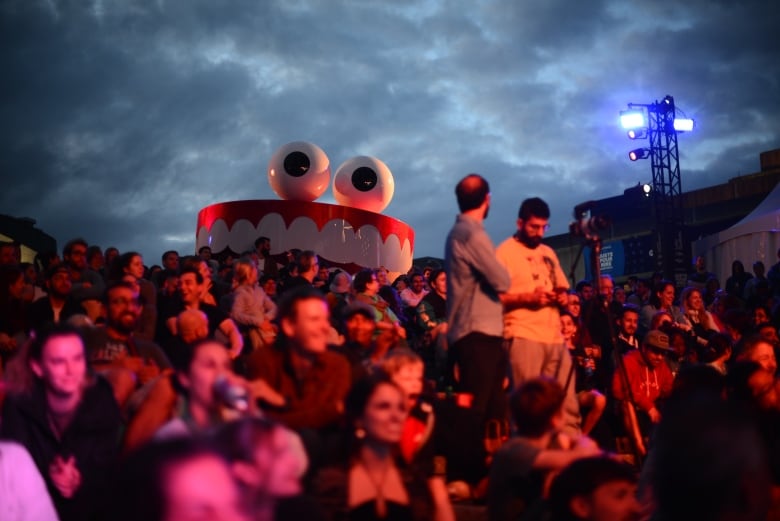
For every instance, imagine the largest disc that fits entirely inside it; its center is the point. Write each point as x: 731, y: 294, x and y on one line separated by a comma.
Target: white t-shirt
x: 528, y: 269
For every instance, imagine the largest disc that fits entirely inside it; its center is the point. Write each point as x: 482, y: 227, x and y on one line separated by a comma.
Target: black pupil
x: 296, y: 164
x: 364, y: 179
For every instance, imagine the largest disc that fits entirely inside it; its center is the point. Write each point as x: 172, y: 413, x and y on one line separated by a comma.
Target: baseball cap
x: 657, y: 340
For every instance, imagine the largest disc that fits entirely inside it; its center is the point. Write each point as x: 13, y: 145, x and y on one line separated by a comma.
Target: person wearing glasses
x: 532, y: 322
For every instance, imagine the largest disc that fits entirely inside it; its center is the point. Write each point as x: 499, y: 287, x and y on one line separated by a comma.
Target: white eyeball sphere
x: 364, y: 182
x: 299, y: 171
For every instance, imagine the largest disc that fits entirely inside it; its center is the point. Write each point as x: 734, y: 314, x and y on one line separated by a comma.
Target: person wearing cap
x: 649, y: 378
x: 359, y: 347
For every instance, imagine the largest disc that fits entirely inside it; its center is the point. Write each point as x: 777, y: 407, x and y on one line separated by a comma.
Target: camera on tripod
x: 586, y: 224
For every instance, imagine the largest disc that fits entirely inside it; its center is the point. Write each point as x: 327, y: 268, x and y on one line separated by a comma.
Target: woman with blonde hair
x: 252, y: 309
x: 695, y: 316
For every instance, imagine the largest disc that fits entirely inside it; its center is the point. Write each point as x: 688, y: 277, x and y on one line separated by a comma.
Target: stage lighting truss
x: 639, y: 153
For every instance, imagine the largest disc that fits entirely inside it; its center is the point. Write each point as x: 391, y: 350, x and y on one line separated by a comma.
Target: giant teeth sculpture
x: 351, y: 235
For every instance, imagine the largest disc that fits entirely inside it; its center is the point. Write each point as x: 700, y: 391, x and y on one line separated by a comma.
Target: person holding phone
x: 532, y: 321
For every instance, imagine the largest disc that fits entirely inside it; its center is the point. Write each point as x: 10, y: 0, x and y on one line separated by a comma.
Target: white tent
x: 756, y: 237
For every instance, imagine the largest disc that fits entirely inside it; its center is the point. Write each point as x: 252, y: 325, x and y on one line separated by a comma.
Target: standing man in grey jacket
x: 475, y: 279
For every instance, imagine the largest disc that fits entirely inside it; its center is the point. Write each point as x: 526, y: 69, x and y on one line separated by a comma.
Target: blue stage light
x: 636, y: 134
x: 683, y: 124
x: 632, y: 119
x: 638, y: 153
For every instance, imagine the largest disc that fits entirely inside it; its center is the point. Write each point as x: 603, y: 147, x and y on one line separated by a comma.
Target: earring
x: 360, y: 433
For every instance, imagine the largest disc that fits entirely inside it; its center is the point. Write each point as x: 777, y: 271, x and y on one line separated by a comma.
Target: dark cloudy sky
x: 120, y: 119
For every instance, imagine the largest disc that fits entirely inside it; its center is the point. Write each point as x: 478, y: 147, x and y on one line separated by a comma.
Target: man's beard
x: 124, y: 325
x: 529, y: 242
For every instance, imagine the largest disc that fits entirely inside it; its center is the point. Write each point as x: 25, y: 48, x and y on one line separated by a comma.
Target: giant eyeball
x: 364, y: 182
x: 299, y: 171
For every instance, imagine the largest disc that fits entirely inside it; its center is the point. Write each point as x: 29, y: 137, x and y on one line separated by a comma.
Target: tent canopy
x: 754, y: 238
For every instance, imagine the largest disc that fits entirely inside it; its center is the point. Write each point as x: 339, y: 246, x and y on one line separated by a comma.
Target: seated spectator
x: 759, y: 350
x: 360, y: 348
x: 338, y: 298
x: 178, y: 479
x: 432, y: 321
x: 312, y: 380
x: 389, y: 292
x: 269, y: 284
x: 367, y: 291
x: 628, y: 324
x: 130, y: 267
x: 760, y: 314
x: 307, y: 266
x: 209, y: 392
x: 59, y: 305
x: 524, y: 466
x: 711, y: 291
x: 405, y: 369
x: 22, y: 488
x: 586, y: 361
x: 735, y: 284
x: 768, y: 332
x: 641, y: 294
x: 191, y: 287
x: 252, y: 310
x: 213, y: 289
x: 574, y: 305
x: 67, y: 420
x: 619, y: 295
x: 400, y: 283
x: 268, y: 462
x: 595, y: 489
x: 717, y: 352
x: 412, y: 295
x: 14, y: 319
x: 115, y: 351
x: 33, y: 282
x: 87, y: 285
x: 159, y: 400
x: 371, y: 481
x: 584, y: 289
x: 695, y: 317
x: 322, y: 279
x: 699, y: 275
x: 736, y: 322
x: 204, y: 252
x: 683, y: 348
x: 432, y: 310
x: 649, y: 379
x: 662, y: 300
x: 191, y: 325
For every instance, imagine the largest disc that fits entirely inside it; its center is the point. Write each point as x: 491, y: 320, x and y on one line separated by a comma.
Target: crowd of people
x: 272, y: 386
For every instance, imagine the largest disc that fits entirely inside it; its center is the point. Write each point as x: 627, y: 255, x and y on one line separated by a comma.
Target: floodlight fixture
x: 647, y: 189
x: 632, y: 119
x: 638, y: 153
x: 637, y: 133
x: 683, y: 124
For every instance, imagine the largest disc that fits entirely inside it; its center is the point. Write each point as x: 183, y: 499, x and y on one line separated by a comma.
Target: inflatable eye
x: 299, y: 171
x: 363, y: 182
